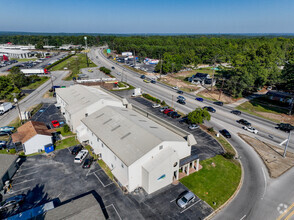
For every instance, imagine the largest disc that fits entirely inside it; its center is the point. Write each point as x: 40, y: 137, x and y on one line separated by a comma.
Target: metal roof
x: 127, y: 133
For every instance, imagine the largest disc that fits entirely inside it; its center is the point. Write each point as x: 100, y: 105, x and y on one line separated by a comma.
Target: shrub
x: 66, y: 128
x: 228, y: 155
x: 12, y: 151
x: 22, y: 154
x: 210, y: 129
x: 105, y: 70
x: 147, y: 96
x: 59, y: 61
x: 163, y: 103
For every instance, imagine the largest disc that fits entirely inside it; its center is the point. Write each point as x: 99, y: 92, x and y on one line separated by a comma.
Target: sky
x: 149, y: 16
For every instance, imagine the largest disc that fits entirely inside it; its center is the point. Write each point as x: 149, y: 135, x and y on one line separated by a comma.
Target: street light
x: 85, y: 38
x: 285, y: 150
x: 19, y: 114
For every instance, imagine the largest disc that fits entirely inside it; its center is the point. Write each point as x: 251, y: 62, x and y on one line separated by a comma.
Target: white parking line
x: 19, y: 170
x: 114, y: 210
x: 243, y: 217
x: 101, y: 181
x: 23, y: 182
x: 25, y: 175
x: 92, y: 172
x: 173, y: 200
x: 190, y: 206
x: 12, y: 192
x: 68, y: 150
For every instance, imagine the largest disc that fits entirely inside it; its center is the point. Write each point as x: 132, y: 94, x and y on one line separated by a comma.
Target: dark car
x: 76, y: 149
x: 113, y: 67
x: 4, y: 133
x: 225, y: 133
x: 285, y: 127
x: 181, y: 101
x: 236, y: 112
x: 210, y: 109
x: 244, y: 122
x: 12, y: 202
x: 180, y: 92
x: 153, y: 81
x: 175, y: 115
x: 219, y: 103
x: 199, y: 99
x: 142, y: 76
x: 3, y: 144
x: 88, y: 162
x: 170, y: 113
x: 184, y: 120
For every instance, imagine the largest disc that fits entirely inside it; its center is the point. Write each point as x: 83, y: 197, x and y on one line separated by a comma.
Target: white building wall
x: 37, y: 143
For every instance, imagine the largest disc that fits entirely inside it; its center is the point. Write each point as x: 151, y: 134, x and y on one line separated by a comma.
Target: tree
x: 18, y: 78
x: 288, y: 76
x: 198, y: 116
x: 39, y: 45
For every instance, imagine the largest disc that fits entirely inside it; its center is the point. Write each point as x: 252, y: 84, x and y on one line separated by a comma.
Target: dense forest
x: 256, y: 61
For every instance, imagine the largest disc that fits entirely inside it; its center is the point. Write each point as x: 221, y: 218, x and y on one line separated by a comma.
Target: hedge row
x: 147, y: 96
x: 105, y: 70
x: 59, y: 61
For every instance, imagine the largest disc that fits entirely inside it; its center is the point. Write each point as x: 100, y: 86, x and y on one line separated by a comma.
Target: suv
x: 175, y: 115
x: 236, y: 112
x: 76, y: 149
x: 185, y: 199
x: 181, y: 101
x: 244, y: 122
x: 210, y: 109
x: 219, y: 103
x: 225, y: 133
x: 81, y: 156
x: 285, y: 127
x: 184, y: 120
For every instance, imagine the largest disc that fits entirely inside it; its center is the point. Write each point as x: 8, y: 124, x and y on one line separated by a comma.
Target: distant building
x: 127, y: 54
x: 280, y: 96
x: 15, y: 51
x: 33, y: 136
x: 201, y: 78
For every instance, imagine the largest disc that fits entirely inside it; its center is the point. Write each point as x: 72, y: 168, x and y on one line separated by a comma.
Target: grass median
x: 216, y: 182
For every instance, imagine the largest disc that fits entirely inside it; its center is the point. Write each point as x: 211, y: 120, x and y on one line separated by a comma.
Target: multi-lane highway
x: 256, y: 191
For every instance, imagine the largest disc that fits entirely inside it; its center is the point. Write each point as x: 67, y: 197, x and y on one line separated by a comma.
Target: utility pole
x: 285, y: 151
x: 134, y: 59
x: 290, y: 112
x: 160, y: 67
x: 19, y: 114
x: 85, y: 38
x: 221, y: 90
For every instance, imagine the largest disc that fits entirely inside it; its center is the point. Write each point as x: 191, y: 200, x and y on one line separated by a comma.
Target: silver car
x: 185, y: 199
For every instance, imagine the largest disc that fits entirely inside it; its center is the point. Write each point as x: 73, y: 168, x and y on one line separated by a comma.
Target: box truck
x: 5, y: 107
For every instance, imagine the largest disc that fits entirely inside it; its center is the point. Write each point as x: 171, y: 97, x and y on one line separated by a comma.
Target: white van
x: 81, y: 156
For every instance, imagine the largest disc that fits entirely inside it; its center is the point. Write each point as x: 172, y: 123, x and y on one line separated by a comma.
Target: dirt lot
x: 279, y: 117
x: 271, y: 156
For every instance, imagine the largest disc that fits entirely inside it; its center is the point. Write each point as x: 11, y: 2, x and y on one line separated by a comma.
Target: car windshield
x: 184, y: 200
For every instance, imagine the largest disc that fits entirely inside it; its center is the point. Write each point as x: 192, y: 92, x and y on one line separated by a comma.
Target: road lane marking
x: 285, y: 212
x: 114, y: 210
x: 289, y: 216
x: 25, y: 175
x: 264, y: 182
x: 243, y: 217
x: 190, y: 206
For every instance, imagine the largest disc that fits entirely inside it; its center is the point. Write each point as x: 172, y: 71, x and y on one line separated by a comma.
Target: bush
x: 147, y: 96
x: 210, y: 129
x: 163, y: 103
x: 105, y: 70
x: 22, y: 154
x: 12, y: 151
x: 66, y: 128
x: 228, y: 155
x: 59, y: 61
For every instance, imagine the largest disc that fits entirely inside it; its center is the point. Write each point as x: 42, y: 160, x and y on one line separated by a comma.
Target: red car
x: 167, y: 111
x: 55, y: 123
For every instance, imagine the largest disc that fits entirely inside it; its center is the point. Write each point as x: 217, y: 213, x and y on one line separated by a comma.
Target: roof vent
x: 113, y: 129
x: 107, y: 121
x: 142, y: 120
x: 99, y: 115
x: 153, y: 127
x: 125, y: 135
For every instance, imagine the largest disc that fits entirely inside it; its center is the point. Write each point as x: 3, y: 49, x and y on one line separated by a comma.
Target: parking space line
x: 25, y: 175
x: 173, y: 200
x: 19, y: 170
x: 190, y: 206
x: 18, y: 190
x: 92, y: 172
x: 101, y: 181
x: 23, y: 182
x: 68, y: 150
x: 114, y: 210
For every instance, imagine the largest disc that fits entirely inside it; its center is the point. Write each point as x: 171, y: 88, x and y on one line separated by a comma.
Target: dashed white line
x: 25, y: 175
x: 243, y: 217
x: 190, y: 206
x: 114, y: 210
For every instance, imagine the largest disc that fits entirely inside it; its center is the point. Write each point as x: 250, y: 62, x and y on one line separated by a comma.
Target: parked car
x: 219, y: 103
x: 55, y: 123
x: 76, y: 149
x: 210, y: 109
x: 156, y: 105
x: 185, y: 199
x: 4, y: 133
x: 175, y: 115
x: 163, y: 108
x: 244, y: 122
x: 88, y: 162
x: 180, y: 92
x: 81, y: 156
x: 250, y: 129
x: 181, y: 101
x: 12, y: 202
x: 175, y: 88
x: 184, y: 120
x: 199, y: 99
x: 236, y: 112
x: 7, y: 128
x: 225, y: 133
x: 167, y: 111
x: 3, y: 144
x: 181, y: 97
x: 170, y: 113
x: 193, y: 126
x: 142, y: 76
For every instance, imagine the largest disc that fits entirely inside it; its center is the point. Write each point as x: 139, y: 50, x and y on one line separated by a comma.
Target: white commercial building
x: 78, y: 101
x: 16, y: 51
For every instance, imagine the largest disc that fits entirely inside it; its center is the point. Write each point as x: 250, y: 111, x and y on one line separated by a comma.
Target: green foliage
x: 22, y: 153
x: 288, y: 76
x: 39, y: 45
x: 147, y: 96
x: 198, y: 116
x: 12, y: 151
x: 59, y: 61
x: 211, y: 129
x: 66, y: 128
x: 228, y: 155
x: 105, y: 70
x: 163, y: 103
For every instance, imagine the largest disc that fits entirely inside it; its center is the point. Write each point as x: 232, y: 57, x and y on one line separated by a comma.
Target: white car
x: 175, y: 88
x: 250, y: 129
x: 155, y: 105
x: 193, y: 126
x: 81, y: 156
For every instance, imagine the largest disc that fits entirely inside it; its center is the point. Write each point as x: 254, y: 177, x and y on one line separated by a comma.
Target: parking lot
x: 57, y: 178
x: 48, y: 113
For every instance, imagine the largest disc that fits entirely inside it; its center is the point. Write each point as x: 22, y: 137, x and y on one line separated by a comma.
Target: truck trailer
x: 5, y: 107
x: 34, y: 71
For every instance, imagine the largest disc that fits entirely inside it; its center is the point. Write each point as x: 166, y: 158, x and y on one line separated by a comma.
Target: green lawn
x: 36, y: 84
x: 253, y: 107
x: 64, y: 134
x: 65, y: 143
x: 106, y: 169
x: 226, y: 145
x: 214, y: 184
x: 74, y: 63
x: 25, y: 60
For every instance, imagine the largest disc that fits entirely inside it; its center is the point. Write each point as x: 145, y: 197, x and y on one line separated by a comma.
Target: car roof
x: 188, y: 195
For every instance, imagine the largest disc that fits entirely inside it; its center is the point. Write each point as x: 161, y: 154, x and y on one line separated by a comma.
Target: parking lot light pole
x: 19, y: 114
x: 285, y: 151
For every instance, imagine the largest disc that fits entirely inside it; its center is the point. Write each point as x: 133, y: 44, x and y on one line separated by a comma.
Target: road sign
x: 108, y: 51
